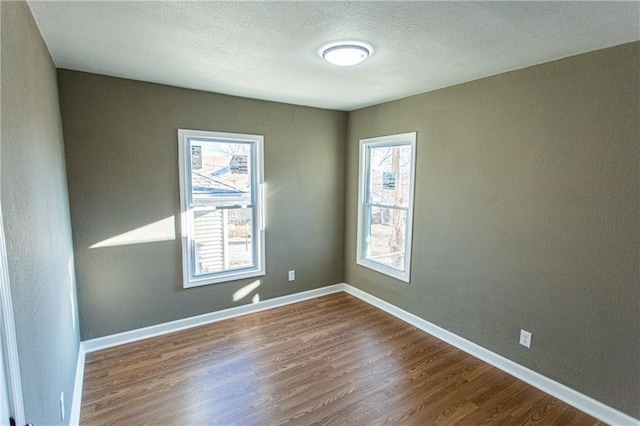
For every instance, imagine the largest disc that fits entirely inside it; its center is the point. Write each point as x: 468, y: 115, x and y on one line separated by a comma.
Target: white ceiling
x: 269, y: 50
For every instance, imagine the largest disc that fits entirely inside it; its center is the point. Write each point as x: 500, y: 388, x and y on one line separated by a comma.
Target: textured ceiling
x: 269, y: 50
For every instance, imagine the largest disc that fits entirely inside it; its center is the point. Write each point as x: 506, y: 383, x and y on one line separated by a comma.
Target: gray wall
x: 36, y: 218
x: 526, y: 216
x: 122, y: 165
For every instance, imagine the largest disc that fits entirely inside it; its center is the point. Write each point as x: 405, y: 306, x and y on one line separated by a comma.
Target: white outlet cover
x: 525, y: 338
x: 292, y: 275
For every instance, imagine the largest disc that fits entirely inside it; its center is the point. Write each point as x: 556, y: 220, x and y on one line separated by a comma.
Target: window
x: 385, y: 204
x: 221, y: 201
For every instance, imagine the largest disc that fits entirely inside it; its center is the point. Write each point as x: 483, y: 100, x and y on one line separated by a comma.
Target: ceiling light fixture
x: 346, y: 53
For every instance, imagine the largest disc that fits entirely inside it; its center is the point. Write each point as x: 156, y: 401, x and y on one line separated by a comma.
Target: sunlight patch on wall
x: 244, y: 291
x: 71, y: 287
x: 162, y: 230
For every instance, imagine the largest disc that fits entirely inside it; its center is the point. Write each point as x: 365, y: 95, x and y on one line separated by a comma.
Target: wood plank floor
x: 330, y: 360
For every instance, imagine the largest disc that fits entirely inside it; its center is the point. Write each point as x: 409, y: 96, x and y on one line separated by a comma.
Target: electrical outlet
x: 62, y: 406
x: 292, y: 275
x: 525, y: 338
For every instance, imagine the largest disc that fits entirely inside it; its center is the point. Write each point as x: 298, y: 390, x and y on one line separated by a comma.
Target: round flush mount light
x: 346, y: 53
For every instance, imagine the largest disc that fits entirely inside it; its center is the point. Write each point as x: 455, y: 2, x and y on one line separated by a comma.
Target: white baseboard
x: 572, y: 397
x: 76, y: 401
x: 182, y: 324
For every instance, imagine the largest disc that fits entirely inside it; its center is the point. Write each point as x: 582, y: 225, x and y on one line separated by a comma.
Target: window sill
x: 386, y: 270
x: 222, y: 278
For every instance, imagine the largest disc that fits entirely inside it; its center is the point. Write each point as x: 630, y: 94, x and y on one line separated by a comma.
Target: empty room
x: 319, y: 212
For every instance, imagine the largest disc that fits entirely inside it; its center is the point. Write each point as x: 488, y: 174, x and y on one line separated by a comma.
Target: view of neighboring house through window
x: 222, y: 206
x: 385, y: 208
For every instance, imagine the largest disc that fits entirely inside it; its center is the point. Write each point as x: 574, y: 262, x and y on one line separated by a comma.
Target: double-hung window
x: 222, y: 206
x: 385, y: 208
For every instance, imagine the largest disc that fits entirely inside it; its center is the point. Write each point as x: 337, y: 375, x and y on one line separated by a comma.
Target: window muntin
x: 222, y: 206
x: 385, y: 208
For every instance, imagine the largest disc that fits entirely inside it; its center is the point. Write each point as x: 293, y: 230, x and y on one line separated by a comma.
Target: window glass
x: 386, y: 237
x: 390, y: 175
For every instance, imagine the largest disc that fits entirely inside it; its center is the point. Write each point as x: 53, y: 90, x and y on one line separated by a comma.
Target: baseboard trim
x: 558, y: 390
x: 185, y: 323
x: 76, y: 401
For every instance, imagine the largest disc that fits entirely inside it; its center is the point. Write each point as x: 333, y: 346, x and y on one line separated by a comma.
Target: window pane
x: 386, y: 239
x: 223, y: 240
x: 240, y: 238
x: 208, y: 242
x: 220, y: 173
x: 390, y: 175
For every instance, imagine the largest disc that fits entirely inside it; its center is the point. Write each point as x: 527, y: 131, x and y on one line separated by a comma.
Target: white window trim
x: 363, y: 219
x: 184, y: 167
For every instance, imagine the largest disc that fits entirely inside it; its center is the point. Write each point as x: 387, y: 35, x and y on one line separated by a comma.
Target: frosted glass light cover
x: 345, y: 55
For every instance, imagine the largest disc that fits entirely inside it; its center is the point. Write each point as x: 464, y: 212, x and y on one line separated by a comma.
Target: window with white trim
x: 385, y: 207
x: 222, y: 206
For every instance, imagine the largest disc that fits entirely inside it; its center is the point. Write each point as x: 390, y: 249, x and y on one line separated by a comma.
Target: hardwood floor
x: 330, y: 360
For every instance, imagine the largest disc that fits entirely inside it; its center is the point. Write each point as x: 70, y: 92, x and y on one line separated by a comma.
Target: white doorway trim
x: 8, y: 334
